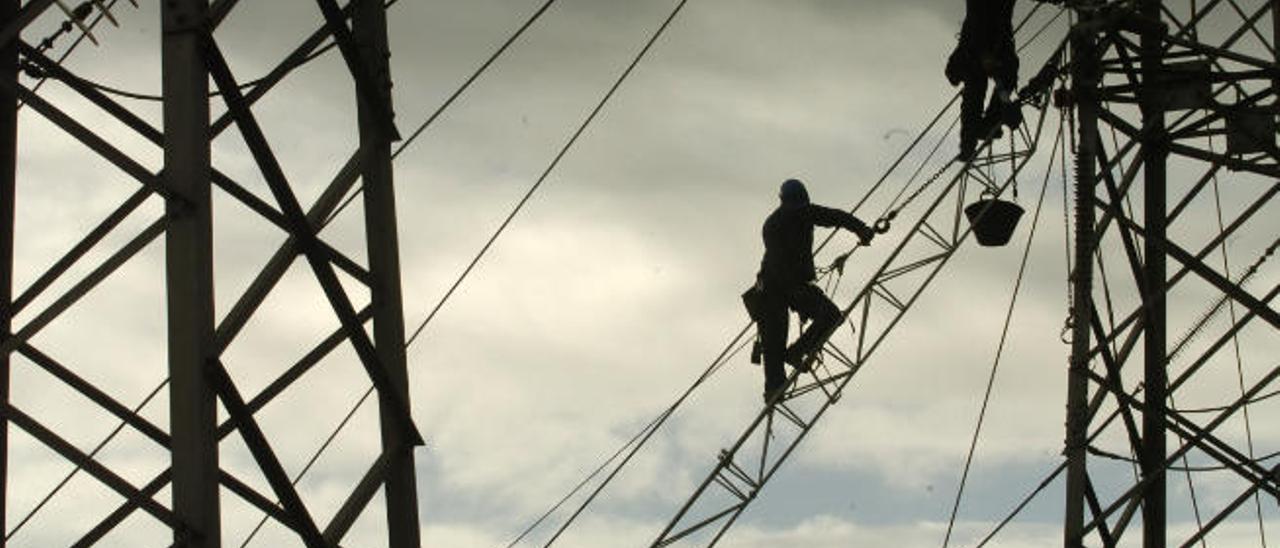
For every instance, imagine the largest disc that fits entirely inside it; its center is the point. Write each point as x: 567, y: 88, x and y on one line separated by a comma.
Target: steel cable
x: 639, y: 439
x: 546, y: 172
x: 484, y: 67
x: 1004, y: 333
x: 111, y: 436
x: 856, y: 207
x: 138, y: 96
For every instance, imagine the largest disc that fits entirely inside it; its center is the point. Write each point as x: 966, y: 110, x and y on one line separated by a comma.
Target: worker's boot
x: 1012, y: 116
x: 773, y: 392
x: 968, y: 149
x: 797, y: 357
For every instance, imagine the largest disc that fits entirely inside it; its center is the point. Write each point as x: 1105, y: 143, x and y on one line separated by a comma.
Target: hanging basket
x: 993, y: 220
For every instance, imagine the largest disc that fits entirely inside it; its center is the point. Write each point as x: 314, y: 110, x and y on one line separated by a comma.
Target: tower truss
x: 175, y: 480
x: 1177, y: 169
x: 931, y: 239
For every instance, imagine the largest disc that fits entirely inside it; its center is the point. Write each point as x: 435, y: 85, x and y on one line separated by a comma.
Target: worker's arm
x: 826, y: 216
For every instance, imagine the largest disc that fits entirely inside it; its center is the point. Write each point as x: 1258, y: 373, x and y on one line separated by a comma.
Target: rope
x: 1004, y: 333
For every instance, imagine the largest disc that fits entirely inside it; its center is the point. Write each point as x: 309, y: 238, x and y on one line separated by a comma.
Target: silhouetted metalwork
x: 198, y: 380
x: 1201, y: 76
x: 931, y: 239
x: 1131, y: 65
x: 785, y: 282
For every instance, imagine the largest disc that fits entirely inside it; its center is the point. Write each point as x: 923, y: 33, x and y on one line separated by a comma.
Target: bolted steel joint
x: 183, y: 15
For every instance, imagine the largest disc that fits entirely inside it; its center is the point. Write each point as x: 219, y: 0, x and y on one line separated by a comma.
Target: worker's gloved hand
x: 865, y: 234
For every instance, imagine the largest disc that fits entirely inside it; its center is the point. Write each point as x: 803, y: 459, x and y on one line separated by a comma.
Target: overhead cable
x: 555, y: 162
x: 1004, y: 335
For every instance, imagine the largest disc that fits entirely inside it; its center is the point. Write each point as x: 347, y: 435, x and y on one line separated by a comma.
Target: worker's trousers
x: 774, y: 322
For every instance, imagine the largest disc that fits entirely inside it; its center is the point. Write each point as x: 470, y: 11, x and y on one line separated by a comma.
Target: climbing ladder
x: 741, y: 470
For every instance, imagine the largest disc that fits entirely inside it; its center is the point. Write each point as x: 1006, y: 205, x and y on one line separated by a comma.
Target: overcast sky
x: 612, y: 290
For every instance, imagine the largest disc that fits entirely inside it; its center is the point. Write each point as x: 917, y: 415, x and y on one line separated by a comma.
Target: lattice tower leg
x: 1084, y: 55
x: 189, y: 262
x: 8, y: 172
x: 369, y: 25
x: 1155, y: 352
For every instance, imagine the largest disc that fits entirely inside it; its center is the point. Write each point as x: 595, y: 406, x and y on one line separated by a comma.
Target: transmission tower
x: 1176, y: 104
x: 199, y: 378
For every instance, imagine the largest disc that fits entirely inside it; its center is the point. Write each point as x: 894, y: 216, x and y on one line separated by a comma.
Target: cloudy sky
x: 611, y: 291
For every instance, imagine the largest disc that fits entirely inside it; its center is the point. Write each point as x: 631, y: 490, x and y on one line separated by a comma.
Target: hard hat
x: 793, y: 192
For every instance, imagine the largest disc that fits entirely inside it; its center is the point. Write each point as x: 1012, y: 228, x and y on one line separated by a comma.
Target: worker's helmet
x: 793, y: 192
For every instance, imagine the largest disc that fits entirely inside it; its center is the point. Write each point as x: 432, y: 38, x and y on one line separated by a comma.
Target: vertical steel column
x: 8, y: 175
x: 370, y: 31
x: 1275, y: 44
x: 1084, y: 53
x: 189, y: 256
x: 1155, y: 154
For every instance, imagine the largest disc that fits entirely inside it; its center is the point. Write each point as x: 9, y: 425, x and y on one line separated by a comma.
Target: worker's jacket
x: 987, y: 23
x: 788, y: 241
x: 987, y: 32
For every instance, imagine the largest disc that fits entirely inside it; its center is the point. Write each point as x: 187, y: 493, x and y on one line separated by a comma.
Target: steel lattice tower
x: 1172, y: 97
x: 199, y: 382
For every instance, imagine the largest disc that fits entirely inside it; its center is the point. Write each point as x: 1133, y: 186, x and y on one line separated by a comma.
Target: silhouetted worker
x: 786, y: 280
x: 985, y: 51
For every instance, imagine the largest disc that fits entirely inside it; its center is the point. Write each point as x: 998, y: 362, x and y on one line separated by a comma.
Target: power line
x: 1004, y: 334
x: 44, y: 76
x: 484, y: 67
x: 1207, y: 468
x: 555, y: 162
x: 118, y: 92
x: 875, y: 187
x: 75, y: 44
x: 642, y: 436
x: 533, y: 188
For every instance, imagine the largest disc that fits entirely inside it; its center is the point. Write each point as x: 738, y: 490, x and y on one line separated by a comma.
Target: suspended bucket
x: 993, y: 220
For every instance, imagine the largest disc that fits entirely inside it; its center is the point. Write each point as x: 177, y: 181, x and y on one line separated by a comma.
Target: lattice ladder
x: 742, y: 470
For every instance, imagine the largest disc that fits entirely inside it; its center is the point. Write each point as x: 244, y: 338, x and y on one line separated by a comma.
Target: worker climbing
x: 985, y: 50
x: 785, y: 282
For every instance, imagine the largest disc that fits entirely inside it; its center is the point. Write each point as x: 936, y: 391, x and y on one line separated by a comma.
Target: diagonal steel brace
x: 366, y: 80
x: 307, y: 240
